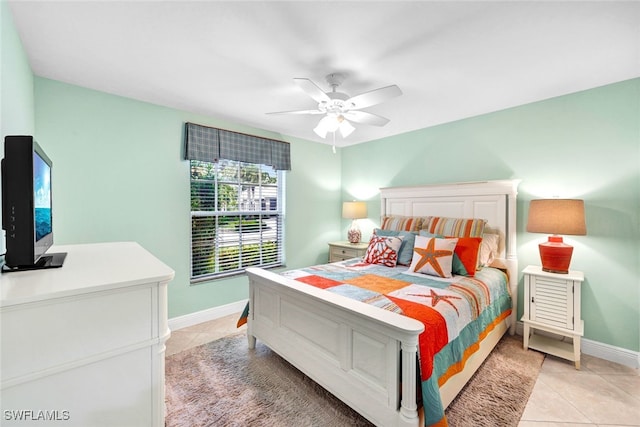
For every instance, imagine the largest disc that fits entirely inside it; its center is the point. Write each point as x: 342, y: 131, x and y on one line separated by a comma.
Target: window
x: 237, y: 217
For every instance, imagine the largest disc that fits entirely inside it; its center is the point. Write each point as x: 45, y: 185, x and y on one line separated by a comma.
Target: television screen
x: 42, y: 196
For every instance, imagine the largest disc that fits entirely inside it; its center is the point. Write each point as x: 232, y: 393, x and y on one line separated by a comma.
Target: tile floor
x: 601, y: 394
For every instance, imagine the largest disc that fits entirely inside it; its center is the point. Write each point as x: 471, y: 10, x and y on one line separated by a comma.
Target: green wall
x: 16, y: 87
x: 119, y: 175
x: 584, y: 145
x: 16, y: 80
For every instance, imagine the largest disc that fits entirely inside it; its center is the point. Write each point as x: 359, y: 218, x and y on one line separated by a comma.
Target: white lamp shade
x: 320, y: 130
x: 331, y: 124
x: 354, y: 210
x: 326, y: 124
x: 346, y: 128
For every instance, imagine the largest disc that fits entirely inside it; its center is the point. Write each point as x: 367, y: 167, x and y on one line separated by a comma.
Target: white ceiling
x: 236, y: 60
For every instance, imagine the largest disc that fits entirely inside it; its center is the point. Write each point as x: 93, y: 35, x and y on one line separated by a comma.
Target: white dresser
x: 83, y: 345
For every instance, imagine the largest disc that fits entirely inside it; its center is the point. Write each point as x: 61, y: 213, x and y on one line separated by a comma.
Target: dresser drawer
x: 71, y: 329
x: 340, y: 251
x: 344, y: 253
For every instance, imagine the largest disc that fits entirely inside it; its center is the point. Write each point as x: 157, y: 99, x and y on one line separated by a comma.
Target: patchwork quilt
x: 457, y: 312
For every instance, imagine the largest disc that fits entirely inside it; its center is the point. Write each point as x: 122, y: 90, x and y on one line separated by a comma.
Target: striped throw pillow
x: 456, y: 227
x: 404, y: 223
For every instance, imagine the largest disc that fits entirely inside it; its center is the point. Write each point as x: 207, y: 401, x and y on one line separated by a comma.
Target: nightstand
x: 339, y: 251
x: 552, y: 304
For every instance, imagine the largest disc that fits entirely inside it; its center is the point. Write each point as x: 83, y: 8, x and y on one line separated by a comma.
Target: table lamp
x: 354, y: 210
x: 555, y: 217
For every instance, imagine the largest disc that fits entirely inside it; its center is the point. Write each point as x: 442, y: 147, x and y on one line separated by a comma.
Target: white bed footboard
x: 350, y: 348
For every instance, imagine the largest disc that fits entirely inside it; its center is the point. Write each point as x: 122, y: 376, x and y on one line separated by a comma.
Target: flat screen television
x: 27, y: 215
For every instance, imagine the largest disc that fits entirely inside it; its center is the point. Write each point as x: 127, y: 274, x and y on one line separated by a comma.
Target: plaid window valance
x: 210, y: 144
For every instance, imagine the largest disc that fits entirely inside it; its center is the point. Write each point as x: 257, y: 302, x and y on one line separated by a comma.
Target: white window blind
x: 237, y: 217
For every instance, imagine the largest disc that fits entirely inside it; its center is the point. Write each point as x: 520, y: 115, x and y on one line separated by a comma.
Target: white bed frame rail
x: 354, y: 349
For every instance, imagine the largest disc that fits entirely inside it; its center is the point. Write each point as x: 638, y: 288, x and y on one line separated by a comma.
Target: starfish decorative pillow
x: 433, y: 256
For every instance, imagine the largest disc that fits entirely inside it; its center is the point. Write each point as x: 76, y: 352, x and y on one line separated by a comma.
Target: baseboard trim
x: 611, y: 353
x: 180, y: 322
x: 602, y: 351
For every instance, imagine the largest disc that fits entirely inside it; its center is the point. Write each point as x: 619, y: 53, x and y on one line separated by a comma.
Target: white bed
x: 366, y: 356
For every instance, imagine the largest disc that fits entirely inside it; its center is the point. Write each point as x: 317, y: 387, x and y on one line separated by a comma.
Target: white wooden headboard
x: 494, y: 201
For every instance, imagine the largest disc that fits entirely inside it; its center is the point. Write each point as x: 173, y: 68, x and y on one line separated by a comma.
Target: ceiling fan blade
x: 312, y: 89
x: 373, y: 97
x: 298, y: 112
x: 365, y: 118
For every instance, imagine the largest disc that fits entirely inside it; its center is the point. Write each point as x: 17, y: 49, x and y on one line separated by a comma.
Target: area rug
x: 498, y: 392
x: 222, y: 383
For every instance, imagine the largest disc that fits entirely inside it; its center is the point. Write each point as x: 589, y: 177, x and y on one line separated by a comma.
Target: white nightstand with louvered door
x: 552, y: 304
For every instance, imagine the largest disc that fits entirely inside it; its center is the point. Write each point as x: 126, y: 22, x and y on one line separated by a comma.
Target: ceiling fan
x: 339, y: 109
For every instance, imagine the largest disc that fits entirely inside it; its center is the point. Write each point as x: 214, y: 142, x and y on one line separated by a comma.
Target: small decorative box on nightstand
x: 339, y: 251
x: 552, y: 304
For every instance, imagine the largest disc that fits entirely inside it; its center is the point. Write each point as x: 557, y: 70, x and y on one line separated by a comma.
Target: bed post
x: 511, y: 252
x: 408, y: 406
x: 251, y: 339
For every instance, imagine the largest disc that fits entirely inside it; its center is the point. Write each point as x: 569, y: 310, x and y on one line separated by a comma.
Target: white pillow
x: 489, y: 249
x: 432, y: 255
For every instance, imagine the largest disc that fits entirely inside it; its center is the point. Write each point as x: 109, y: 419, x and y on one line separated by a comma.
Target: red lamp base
x: 555, y: 255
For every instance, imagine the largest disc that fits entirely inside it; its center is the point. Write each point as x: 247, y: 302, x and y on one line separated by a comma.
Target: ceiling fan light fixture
x: 328, y: 123
x: 320, y: 130
x: 346, y: 128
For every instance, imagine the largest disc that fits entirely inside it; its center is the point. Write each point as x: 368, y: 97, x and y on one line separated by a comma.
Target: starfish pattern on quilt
x: 429, y: 255
x: 435, y: 299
